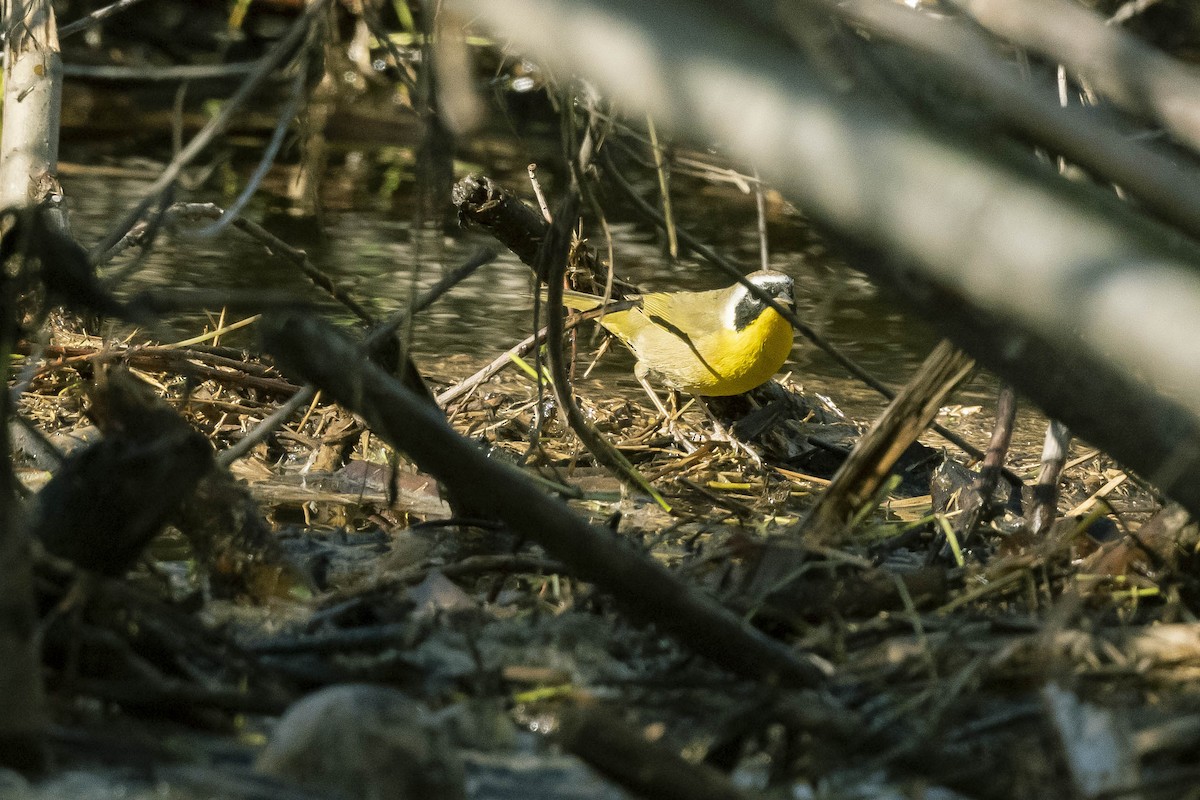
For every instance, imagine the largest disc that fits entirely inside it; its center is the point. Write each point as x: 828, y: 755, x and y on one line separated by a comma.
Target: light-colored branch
x: 964, y: 55
x: 32, y: 102
x: 1129, y: 72
x: 28, y: 158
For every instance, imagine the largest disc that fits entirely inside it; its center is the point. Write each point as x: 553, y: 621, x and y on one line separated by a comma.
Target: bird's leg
x: 640, y: 373
x: 675, y: 403
x: 721, y: 433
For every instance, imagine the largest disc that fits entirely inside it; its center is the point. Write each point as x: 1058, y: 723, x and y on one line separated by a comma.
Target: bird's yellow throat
x: 747, y: 358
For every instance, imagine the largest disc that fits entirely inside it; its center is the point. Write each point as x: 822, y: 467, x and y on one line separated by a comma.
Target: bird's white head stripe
x: 742, y: 308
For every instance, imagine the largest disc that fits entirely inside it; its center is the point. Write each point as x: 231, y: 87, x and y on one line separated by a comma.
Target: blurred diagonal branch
x: 964, y: 56
x: 95, y: 18
x: 313, y: 350
x: 1130, y: 73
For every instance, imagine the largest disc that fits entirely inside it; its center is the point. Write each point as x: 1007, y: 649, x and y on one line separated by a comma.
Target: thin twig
x: 447, y: 282
x: 262, y: 430
x: 760, y: 206
x: 664, y: 188
x: 552, y: 266
x: 498, y: 364
x: 159, y: 74
x: 539, y: 194
x: 382, y: 36
x: 264, y: 164
x: 521, y: 348
x: 148, y: 230
x: 266, y: 65
x: 94, y: 18
x: 269, y: 240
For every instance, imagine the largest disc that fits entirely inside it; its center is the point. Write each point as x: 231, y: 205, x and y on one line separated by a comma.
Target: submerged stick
x: 314, y: 351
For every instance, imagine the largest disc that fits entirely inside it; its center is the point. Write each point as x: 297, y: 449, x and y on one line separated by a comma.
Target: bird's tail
x: 580, y: 301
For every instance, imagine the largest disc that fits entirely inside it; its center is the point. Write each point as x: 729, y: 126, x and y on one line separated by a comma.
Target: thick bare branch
x: 28, y: 158
x: 1087, y: 137
x: 32, y: 103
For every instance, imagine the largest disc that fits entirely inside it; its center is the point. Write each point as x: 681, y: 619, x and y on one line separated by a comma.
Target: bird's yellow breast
x: 747, y: 358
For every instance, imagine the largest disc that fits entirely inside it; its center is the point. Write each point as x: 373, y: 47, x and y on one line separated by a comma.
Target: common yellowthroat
x: 714, y: 343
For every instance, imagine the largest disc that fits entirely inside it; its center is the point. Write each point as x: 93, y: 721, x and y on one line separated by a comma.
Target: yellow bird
x: 714, y: 343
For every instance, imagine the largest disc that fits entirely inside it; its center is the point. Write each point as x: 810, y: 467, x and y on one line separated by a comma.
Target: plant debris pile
x: 484, y: 637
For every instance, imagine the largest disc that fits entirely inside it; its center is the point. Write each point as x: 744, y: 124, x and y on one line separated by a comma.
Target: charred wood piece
x: 483, y: 202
